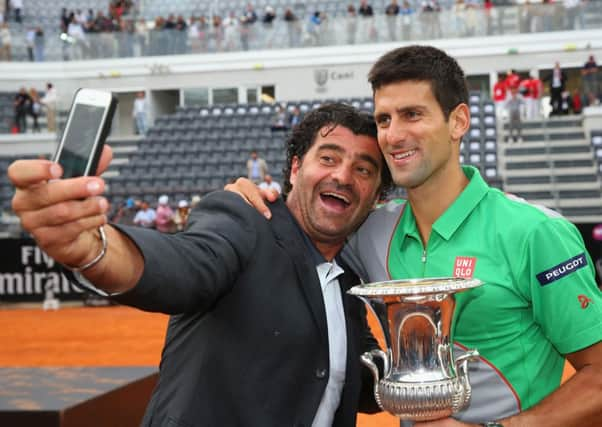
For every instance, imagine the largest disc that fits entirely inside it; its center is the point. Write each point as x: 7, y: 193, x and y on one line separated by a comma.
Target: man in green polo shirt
x: 540, y: 303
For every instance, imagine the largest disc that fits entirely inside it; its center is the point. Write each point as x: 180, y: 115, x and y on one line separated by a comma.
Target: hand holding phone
x: 87, y: 128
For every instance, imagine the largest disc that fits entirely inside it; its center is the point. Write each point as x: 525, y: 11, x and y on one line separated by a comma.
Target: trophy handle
x: 368, y: 359
x: 461, y: 364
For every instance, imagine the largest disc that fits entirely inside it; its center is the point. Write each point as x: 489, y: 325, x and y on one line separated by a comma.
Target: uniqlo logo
x: 464, y: 267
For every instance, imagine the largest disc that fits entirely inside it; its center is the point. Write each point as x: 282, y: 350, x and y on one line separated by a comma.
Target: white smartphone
x: 87, y: 127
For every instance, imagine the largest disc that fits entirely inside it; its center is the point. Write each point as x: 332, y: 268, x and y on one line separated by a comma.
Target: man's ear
x: 295, y: 165
x: 459, y: 122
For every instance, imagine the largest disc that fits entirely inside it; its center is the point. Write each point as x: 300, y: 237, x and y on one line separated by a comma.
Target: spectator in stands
x: 557, y: 82
x: 269, y: 184
x: 140, y: 113
x: 459, y: 13
x: 429, y: 19
x: 164, y: 216
x: 256, y: 168
x: 489, y: 12
x: 295, y: 117
x: 566, y: 103
x: 514, y: 106
x: 589, y: 74
x: 512, y: 81
x: 533, y: 92
x: 262, y: 331
x: 35, y: 108
x: 247, y: 22
x: 126, y: 213
x: 29, y: 37
x: 126, y: 38
x: 196, y: 199
x: 78, y: 39
x: 422, y: 116
x: 351, y: 24
x: 49, y: 101
x: 169, y: 29
x: 21, y: 105
x: 39, y: 45
x: 231, y: 31
x: 391, y: 12
x: 293, y: 28
x: 181, y: 35
x: 407, y: 17
x: 64, y: 19
x: 17, y: 6
x: 5, y: 42
x: 571, y: 13
x: 576, y: 102
x: 499, y: 96
x: 269, y: 15
x: 146, y: 216
x: 279, y: 121
x: 141, y: 31
x: 314, y: 28
x: 217, y: 33
x: 267, y: 23
x: 367, y: 29
x: 181, y: 215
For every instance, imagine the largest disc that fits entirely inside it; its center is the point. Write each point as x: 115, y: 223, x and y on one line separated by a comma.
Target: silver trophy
x: 421, y: 381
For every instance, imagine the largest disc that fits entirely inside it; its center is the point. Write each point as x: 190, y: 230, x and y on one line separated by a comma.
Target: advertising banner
x: 27, y: 273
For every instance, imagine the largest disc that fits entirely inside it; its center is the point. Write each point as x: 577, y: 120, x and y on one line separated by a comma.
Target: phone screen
x: 79, y: 139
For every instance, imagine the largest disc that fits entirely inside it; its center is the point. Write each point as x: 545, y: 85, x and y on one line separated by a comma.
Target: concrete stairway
x: 554, y: 166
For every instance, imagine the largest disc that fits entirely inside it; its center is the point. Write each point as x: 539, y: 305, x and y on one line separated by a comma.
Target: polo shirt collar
x: 447, y: 224
x: 456, y: 213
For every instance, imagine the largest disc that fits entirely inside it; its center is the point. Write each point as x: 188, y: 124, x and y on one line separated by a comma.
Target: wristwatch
x: 492, y: 424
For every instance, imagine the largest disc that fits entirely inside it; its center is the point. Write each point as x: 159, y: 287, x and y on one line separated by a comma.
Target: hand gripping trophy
x: 421, y: 380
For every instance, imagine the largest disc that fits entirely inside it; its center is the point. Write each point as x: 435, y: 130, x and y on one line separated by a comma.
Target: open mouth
x: 335, y: 201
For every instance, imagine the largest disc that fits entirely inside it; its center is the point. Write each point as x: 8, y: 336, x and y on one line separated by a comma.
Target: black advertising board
x: 27, y: 273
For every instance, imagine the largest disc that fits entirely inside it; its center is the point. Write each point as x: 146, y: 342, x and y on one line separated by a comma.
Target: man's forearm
x: 121, y: 267
x: 577, y: 403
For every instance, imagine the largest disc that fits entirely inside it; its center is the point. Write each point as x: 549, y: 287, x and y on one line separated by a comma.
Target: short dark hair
x: 423, y: 63
x: 330, y: 116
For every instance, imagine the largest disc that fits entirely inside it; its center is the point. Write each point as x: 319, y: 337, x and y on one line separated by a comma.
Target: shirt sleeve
x: 567, y: 302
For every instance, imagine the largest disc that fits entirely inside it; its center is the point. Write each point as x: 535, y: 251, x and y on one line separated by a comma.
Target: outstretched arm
x: 63, y: 216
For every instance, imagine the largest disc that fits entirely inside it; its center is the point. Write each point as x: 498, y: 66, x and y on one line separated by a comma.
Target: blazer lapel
x: 289, y: 234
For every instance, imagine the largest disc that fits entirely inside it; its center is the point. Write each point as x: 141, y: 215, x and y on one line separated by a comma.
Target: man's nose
x: 342, y: 174
x: 395, y: 133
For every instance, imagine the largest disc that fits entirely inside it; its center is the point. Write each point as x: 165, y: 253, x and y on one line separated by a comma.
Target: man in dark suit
x: 262, y: 331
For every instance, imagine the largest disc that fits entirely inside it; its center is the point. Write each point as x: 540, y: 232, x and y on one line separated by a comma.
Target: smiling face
x: 335, y: 186
x: 420, y: 146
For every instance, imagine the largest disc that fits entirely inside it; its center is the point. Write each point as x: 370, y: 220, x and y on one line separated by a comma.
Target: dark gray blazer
x: 247, y: 342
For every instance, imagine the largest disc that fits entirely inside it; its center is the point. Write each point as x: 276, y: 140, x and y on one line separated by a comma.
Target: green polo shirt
x: 539, y: 300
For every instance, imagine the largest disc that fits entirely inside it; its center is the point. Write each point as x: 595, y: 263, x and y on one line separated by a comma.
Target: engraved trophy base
x: 422, y: 401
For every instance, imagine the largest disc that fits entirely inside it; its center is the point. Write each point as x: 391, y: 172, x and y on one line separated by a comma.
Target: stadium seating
x: 197, y: 150
x: 596, y: 141
x: 555, y: 166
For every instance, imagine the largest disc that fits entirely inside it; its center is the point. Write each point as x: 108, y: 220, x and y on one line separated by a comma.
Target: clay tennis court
x: 96, y: 336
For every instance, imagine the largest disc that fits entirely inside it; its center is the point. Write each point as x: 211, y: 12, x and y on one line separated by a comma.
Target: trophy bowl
x: 421, y: 380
